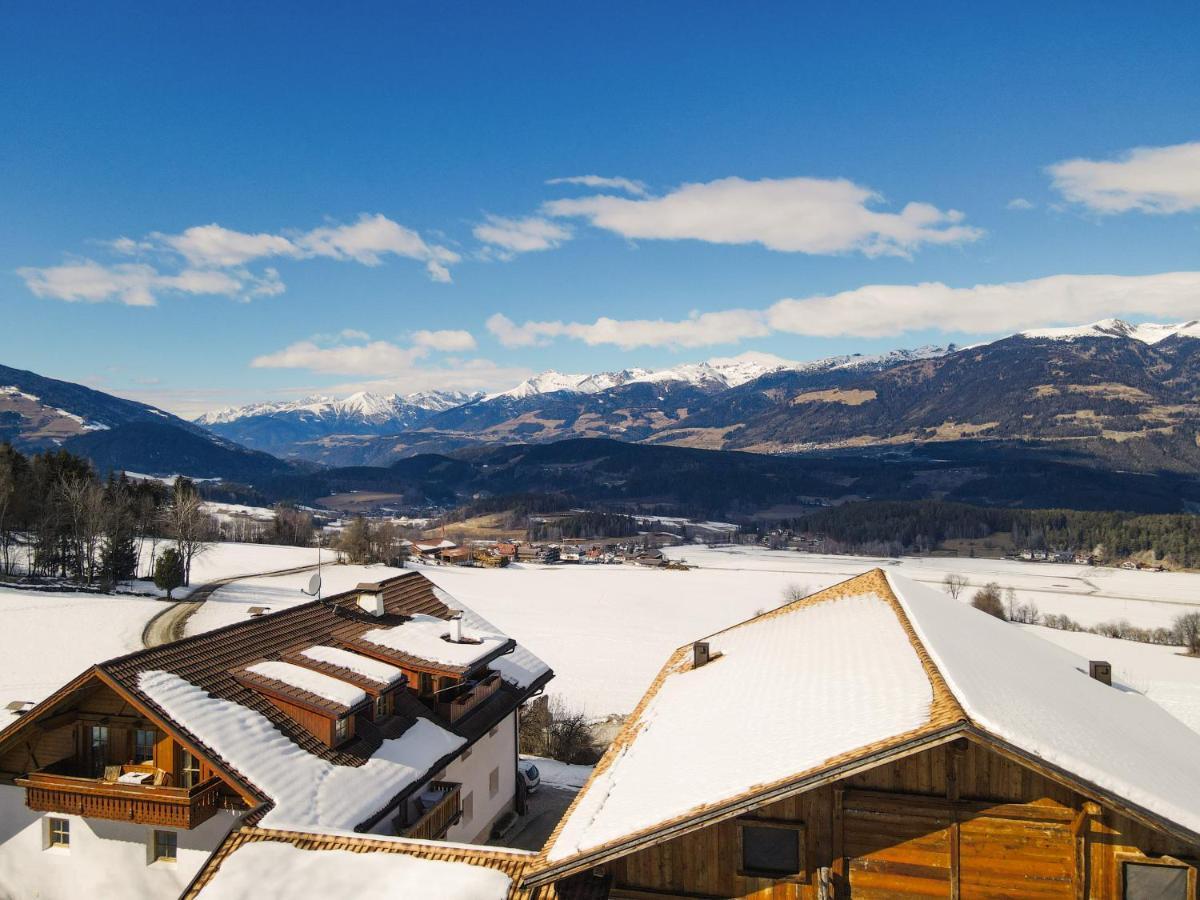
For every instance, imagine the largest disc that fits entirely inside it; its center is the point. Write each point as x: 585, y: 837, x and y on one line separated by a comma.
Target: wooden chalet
x: 880, y: 740
x: 350, y: 713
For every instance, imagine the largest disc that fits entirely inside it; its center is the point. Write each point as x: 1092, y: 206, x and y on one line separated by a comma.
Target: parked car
x: 530, y: 775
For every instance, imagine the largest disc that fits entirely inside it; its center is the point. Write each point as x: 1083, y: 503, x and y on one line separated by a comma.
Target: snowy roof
x: 269, y: 864
x: 266, y: 870
x: 212, y: 691
x: 882, y: 664
x: 307, y: 791
x: 318, y: 683
x: 426, y: 637
x: 371, y: 669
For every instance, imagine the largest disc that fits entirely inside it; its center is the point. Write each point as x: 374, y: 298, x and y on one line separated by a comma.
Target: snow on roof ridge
x: 1044, y: 702
x: 318, y: 683
x: 369, y: 668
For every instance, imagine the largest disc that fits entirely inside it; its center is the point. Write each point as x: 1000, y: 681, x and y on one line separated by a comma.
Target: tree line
x: 893, y: 527
x: 60, y: 520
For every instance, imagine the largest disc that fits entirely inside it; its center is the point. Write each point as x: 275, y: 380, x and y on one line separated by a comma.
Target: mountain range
x: 631, y: 404
x: 1099, y: 399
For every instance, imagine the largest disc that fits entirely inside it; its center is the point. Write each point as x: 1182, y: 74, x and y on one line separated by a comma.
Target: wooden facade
x: 960, y: 820
x: 70, y: 761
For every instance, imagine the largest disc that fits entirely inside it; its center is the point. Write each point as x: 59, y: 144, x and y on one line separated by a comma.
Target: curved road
x: 168, y: 624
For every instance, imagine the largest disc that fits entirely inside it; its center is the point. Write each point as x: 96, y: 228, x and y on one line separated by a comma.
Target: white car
x: 530, y: 775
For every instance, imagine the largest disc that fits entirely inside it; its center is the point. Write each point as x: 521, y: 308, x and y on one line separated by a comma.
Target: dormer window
x: 341, y: 730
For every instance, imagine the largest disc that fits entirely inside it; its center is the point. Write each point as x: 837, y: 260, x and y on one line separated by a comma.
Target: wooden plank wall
x: 901, y: 829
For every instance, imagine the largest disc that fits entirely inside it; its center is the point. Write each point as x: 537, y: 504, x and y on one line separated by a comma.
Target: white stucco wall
x: 106, y: 859
x: 490, y: 752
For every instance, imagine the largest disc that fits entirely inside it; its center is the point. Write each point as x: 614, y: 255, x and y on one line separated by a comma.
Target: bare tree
x: 188, y: 525
x: 954, y: 584
x: 795, y: 591
x: 1187, y: 631
x: 83, y: 503
x: 987, y: 599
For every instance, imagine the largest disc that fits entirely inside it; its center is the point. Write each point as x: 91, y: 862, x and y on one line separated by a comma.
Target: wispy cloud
x: 1019, y: 203
x: 890, y: 309
x: 1146, y: 179
x: 390, y: 366
x: 600, y: 182
x: 213, y: 260
x: 138, y: 284
x: 446, y: 341
x: 506, y: 237
x: 698, y: 330
x: 791, y: 215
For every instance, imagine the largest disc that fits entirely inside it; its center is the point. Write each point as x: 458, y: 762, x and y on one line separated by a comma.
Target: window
x: 1154, y: 881
x: 341, y: 730
x: 468, y: 808
x: 494, y: 782
x: 771, y: 849
x: 143, y: 744
x: 189, y: 770
x: 98, y: 748
x: 166, y: 846
x: 58, y: 833
x: 382, y: 706
x: 426, y: 684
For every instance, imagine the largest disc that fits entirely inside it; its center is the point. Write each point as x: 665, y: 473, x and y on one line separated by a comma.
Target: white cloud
x: 214, y: 261
x: 393, y: 368
x: 217, y: 247
x: 698, y: 330
x: 628, y: 185
x: 448, y: 341
x: 794, y: 215
x: 137, y: 284
x: 1145, y: 179
x: 888, y: 309
x: 373, y: 358
x: 1019, y: 203
x: 526, y: 235
x: 372, y: 237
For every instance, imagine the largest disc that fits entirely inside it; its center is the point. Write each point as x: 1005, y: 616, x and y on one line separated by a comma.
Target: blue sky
x: 378, y: 179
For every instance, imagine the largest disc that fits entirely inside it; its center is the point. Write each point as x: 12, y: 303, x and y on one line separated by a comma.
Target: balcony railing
x: 437, y: 819
x: 453, y: 710
x: 172, y: 807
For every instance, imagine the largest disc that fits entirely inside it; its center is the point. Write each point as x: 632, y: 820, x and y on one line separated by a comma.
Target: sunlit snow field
x: 606, y: 630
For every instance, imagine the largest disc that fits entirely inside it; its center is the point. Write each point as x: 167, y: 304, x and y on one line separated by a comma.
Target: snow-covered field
x: 606, y: 630
x: 229, y: 560
x: 47, y: 639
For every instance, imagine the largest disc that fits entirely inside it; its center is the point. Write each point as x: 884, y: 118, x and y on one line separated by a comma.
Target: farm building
x: 880, y: 740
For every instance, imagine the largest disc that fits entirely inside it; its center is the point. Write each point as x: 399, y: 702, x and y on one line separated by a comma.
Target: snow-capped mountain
x: 1146, y: 332
x: 363, y: 406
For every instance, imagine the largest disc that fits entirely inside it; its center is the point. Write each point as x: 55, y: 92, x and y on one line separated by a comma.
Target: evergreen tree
x: 168, y: 571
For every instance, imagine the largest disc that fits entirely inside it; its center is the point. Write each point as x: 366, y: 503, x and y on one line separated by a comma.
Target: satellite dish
x: 314, y: 585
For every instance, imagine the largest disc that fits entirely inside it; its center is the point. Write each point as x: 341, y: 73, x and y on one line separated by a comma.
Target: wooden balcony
x: 171, y: 807
x: 469, y: 698
x: 438, y: 818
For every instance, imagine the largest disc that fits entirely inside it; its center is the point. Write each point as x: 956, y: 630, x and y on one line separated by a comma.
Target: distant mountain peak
x: 1146, y: 332
x: 362, y: 406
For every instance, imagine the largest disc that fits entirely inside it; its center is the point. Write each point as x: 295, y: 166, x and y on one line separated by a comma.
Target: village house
x: 880, y: 740
x: 389, y: 710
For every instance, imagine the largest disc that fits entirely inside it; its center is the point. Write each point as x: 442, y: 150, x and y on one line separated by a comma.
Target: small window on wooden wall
x: 771, y: 849
x: 144, y: 740
x: 1157, y: 880
x: 341, y: 730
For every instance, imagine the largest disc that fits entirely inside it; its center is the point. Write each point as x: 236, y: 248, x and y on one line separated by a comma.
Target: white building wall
x: 492, y: 751
x: 106, y: 859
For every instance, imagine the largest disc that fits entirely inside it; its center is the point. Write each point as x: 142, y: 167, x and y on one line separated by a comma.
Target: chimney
x: 371, y: 602
x: 700, y: 654
x: 1101, y: 671
x: 456, y: 628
